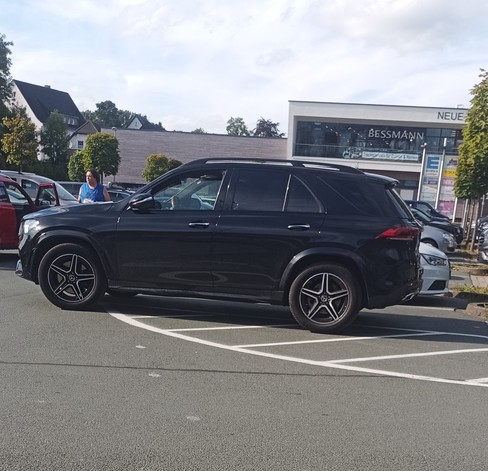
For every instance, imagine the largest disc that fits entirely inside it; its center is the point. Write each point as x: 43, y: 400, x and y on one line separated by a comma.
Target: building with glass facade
x: 416, y: 145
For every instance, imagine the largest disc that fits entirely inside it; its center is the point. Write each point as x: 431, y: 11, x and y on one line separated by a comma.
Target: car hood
x: 426, y: 249
x: 78, y: 209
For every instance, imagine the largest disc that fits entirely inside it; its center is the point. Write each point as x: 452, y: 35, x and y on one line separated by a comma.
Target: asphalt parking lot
x: 162, y: 383
x: 428, y: 339
x: 411, y: 341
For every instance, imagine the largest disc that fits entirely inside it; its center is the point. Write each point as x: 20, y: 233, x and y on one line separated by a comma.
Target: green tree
x: 76, y: 166
x: 5, y: 63
x: 472, y: 171
x: 54, y: 139
x: 5, y: 90
x: 198, y: 131
x: 237, y: 127
x: 102, y: 153
x: 107, y: 115
x: 156, y: 165
x: 20, y: 140
x: 266, y: 128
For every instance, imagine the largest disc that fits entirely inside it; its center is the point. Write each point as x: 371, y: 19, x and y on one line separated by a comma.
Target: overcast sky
x: 191, y: 64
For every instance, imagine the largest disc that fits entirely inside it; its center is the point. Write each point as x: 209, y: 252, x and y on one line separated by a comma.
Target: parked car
x: 30, y: 183
x: 437, y: 270
x: 483, y: 246
x: 481, y: 225
x: 72, y: 187
x: 455, y: 229
x: 327, y: 240
x: 427, y: 208
x: 16, y: 203
x: 115, y: 193
x: 442, y: 240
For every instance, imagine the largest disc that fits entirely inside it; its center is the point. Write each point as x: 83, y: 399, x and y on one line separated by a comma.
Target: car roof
x: 4, y: 178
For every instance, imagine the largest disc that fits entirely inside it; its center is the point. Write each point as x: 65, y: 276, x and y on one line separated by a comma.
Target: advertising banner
x: 430, y: 180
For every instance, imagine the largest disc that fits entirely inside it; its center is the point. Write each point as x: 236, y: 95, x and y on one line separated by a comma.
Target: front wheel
x: 325, y: 298
x: 71, y: 277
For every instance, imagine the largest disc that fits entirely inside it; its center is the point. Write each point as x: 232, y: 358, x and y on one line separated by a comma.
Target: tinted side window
x: 300, y: 199
x: 357, y: 197
x: 260, y: 190
x: 189, y: 192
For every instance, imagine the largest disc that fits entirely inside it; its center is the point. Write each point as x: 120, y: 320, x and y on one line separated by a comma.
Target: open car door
x: 47, y: 195
x: 15, y: 203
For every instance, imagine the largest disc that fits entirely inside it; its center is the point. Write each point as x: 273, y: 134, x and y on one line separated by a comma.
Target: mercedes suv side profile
x: 325, y: 240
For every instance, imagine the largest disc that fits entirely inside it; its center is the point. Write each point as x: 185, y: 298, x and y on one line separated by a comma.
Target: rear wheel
x: 325, y: 298
x: 71, y: 277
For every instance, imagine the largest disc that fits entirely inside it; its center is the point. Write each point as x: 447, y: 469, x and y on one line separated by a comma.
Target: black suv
x: 327, y: 240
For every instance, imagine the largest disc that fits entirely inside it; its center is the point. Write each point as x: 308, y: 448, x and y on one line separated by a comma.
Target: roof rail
x: 283, y: 162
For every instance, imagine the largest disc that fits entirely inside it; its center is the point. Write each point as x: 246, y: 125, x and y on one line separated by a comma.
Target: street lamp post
x: 441, y: 168
x: 422, y: 171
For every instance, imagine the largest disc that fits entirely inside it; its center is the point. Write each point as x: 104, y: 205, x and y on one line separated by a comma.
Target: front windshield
x: 64, y: 194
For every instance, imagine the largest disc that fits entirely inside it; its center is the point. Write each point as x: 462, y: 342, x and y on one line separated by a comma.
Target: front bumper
x: 18, y: 269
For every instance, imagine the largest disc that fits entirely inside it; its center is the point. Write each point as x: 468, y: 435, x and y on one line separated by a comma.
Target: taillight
x: 400, y: 233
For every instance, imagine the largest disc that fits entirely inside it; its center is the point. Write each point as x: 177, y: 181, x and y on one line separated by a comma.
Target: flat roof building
x: 404, y: 142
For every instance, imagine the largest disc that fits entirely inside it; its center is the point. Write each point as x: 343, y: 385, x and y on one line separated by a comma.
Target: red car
x: 15, y: 203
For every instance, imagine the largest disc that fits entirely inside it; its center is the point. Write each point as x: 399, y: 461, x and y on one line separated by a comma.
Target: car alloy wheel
x: 70, y: 277
x: 324, y: 298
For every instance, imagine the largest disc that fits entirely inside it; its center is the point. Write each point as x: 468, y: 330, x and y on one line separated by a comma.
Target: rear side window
x: 299, y: 198
x: 260, y: 190
x: 356, y: 197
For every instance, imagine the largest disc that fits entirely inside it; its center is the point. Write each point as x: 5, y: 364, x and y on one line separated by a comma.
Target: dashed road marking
x: 335, y: 364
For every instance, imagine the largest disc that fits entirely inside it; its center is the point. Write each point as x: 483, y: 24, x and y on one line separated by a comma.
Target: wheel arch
x: 49, y: 240
x: 312, y: 257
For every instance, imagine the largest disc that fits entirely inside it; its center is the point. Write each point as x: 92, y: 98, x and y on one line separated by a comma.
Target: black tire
x: 71, y: 277
x: 118, y: 293
x: 431, y: 242
x: 325, y: 298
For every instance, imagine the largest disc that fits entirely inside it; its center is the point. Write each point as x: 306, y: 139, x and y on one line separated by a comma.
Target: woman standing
x: 92, y: 191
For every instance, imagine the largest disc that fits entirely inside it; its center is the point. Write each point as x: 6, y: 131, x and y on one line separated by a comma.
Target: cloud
x: 195, y: 64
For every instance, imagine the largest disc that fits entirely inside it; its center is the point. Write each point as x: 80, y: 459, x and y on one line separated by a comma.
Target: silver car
x: 437, y: 270
x: 438, y: 238
x: 30, y: 183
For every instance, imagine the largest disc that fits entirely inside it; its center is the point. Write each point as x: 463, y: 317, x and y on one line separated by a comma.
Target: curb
x: 477, y: 309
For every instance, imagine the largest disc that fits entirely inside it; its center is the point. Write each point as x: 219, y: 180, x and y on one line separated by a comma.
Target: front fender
x: 50, y: 238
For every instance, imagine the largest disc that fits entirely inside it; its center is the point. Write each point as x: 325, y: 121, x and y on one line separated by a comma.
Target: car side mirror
x: 142, y: 202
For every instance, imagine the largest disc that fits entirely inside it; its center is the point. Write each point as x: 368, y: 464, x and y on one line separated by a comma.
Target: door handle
x: 198, y: 224
x: 299, y: 227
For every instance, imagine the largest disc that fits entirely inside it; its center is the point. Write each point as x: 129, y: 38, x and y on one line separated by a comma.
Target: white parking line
x: 409, y: 355
x: 230, y: 327
x: 478, y: 380
x: 342, y: 339
x: 327, y: 364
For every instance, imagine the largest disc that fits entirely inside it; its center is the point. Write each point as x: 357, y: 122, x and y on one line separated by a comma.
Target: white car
x: 437, y: 270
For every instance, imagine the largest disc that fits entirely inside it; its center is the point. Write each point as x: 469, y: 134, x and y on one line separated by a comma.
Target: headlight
x: 433, y: 260
x: 27, y: 226
x: 448, y: 237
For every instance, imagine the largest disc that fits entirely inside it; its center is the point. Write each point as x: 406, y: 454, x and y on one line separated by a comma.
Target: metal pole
x: 455, y: 210
x: 441, y: 169
x: 422, y: 171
